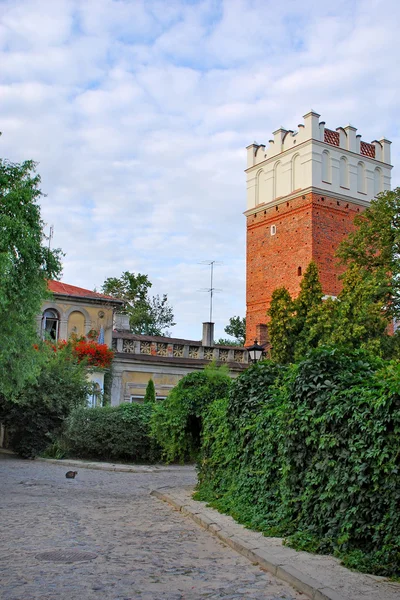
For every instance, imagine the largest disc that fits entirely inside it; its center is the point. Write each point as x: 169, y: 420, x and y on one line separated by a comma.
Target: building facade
x: 138, y: 358
x: 303, y: 192
x: 165, y: 360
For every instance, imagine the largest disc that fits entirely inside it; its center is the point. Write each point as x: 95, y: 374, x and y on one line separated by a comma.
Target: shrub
x: 112, y: 433
x: 35, y: 419
x: 177, y: 421
x: 150, y: 395
x: 312, y: 452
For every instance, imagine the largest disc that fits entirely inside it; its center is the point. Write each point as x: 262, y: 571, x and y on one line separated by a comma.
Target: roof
x: 64, y: 289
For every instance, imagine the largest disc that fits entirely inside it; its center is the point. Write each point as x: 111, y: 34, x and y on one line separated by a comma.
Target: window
x: 50, y: 324
x: 273, y: 229
x: 95, y: 399
x: 298, y: 271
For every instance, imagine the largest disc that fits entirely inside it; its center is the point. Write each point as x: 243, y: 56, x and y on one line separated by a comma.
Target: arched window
x: 378, y: 187
x: 50, y: 324
x: 326, y: 167
x: 296, y: 184
x: 361, y: 177
x: 344, y: 172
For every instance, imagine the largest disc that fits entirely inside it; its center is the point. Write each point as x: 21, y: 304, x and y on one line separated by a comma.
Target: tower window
x: 299, y: 271
x: 273, y: 229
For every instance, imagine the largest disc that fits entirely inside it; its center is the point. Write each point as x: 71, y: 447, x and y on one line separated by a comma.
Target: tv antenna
x: 211, y: 290
x: 50, y: 236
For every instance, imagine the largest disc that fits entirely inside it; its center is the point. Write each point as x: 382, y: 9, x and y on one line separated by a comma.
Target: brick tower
x: 303, y: 193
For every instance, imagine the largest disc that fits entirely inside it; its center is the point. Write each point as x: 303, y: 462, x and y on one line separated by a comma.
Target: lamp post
x: 255, y: 352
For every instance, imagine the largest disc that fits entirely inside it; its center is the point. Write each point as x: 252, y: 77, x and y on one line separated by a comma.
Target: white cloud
x: 139, y: 113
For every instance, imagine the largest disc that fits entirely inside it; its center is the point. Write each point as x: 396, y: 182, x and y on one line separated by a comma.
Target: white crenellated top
x: 315, y: 157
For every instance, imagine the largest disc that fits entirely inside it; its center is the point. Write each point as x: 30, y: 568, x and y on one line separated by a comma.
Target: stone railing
x: 180, y: 350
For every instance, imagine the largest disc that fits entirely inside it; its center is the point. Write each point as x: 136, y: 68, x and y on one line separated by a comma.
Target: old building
x: 138, y: 358
x: 303, y: 192
x: 75, y: 310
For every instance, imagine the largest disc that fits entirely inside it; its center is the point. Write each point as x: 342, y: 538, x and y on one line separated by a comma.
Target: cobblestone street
x: 144, y: 549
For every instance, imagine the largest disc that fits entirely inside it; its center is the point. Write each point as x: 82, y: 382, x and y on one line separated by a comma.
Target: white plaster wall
x: 270, y: 173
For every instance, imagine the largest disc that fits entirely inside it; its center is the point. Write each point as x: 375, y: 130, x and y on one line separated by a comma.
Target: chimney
x: 208, y: 334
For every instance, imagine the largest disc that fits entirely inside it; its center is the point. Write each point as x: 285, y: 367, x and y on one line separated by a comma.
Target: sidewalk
x: 120, y: 468
x: 319, y: 577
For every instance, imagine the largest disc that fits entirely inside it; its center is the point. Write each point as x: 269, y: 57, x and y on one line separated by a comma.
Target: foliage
x: 35, y: 417
x: 374, y: 247
x: 237, y: 329
x: 148, y: 315
x: 112, y: 433
x: 25, y: 265
x: 93, y: 353
x: 150, y: 394
x: 177, y: 421
x: 282, y: 326
x: 88, y: 351
x: 310, y: 452
x: 307, y: 310
x: 228, y: 342
x: 356, y: 319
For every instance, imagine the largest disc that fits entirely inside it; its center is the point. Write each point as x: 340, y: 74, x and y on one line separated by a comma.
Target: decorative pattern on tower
x: 303, y: 192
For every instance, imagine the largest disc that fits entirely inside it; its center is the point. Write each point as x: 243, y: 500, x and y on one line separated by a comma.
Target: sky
x: 138, y: 114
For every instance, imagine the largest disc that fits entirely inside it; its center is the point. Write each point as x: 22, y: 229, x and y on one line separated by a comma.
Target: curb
x: 312, y: 588
x: 118, y: 468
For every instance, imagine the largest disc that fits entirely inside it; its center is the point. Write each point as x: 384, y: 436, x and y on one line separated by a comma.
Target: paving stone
x: 144, y: 548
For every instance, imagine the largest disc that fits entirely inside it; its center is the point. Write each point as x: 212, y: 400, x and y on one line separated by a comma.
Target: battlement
x: 345, y: 138
x: 315, y: 158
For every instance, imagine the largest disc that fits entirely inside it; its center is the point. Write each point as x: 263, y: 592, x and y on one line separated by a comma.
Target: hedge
x: 112, y: 433
x: 312, y: 452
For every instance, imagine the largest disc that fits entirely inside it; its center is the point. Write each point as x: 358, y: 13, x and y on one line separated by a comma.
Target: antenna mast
x: 211, y: 290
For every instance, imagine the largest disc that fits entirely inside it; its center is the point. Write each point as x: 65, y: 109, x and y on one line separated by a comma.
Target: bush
x: 177, y: 421
x: 312, y: 452
x: 36, y: 417
x: 150, y: 395
x: 112, y: 433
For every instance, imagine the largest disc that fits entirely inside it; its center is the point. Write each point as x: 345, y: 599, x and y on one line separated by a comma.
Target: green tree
x: 148, y: 315
x: 237, y: 329
x: 282, y: 326
x: 229, y: 342
x: 35, y: 420
x: 358, y: 317
x: 25, y: 265
x: 177, y: 421
x: 307, y: 311
x: 370, y: 297
x: 150, y: 395
x: 374, y: 247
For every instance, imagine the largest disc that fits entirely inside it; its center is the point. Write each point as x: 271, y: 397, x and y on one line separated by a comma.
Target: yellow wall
x: 134, y: 382
x: 76, y: 324
x: 82, y: 316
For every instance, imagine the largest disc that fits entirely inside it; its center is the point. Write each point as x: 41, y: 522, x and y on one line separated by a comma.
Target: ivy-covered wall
x: 312, y: 452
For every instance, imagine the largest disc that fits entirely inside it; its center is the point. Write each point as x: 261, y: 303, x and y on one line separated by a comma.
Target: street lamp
x: 255, y: 352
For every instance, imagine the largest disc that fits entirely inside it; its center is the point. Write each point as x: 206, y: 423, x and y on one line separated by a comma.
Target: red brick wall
x: 308, y: 228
